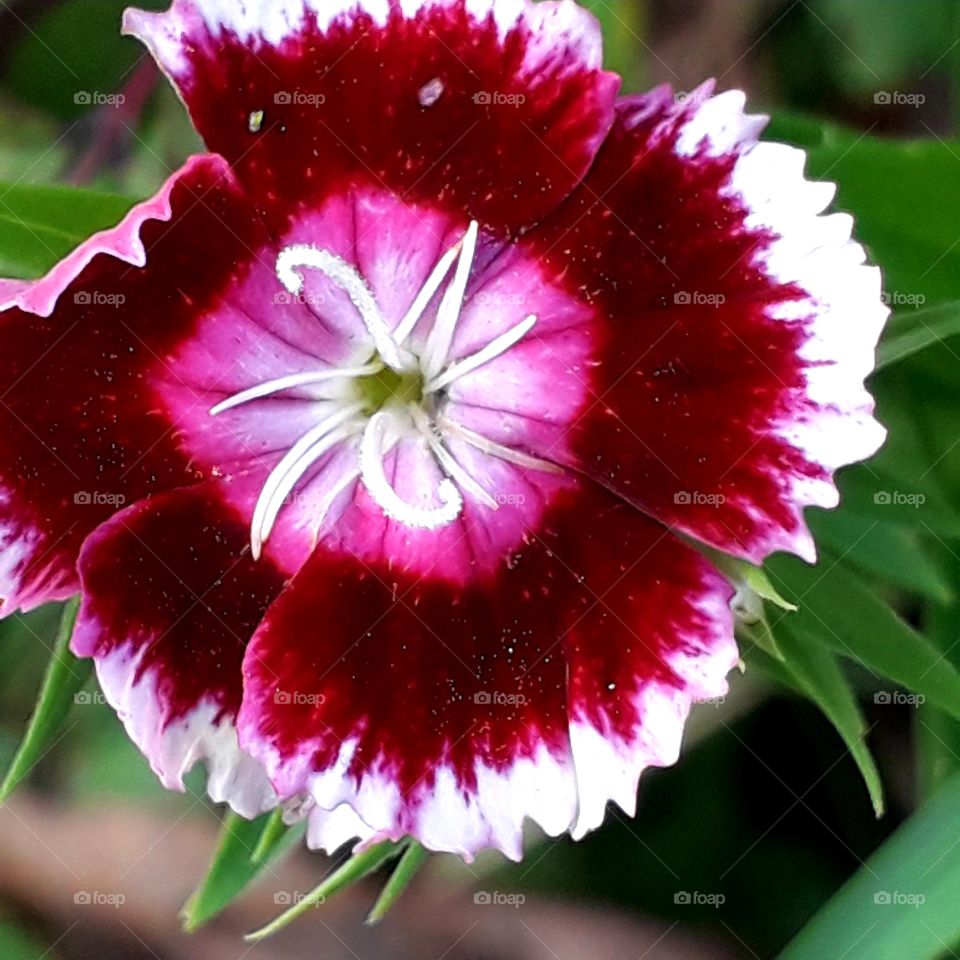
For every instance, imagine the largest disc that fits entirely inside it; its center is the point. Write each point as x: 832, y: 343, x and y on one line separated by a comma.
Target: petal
x: 451, y: 707
x: 80, y: 430
x: 495, y: 108
x: 170, y: 599
x: 733, y: 325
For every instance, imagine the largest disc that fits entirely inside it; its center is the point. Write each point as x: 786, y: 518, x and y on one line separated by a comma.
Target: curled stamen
x: 441, y: 336
x: 292, y: 380
x: 347, y: 278
x: 372, y: 453
x: 490, y: 352
x: 295, y: 463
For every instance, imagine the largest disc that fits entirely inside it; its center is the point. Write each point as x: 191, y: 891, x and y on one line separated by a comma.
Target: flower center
x: 398, y: 395
x: 388, y: 387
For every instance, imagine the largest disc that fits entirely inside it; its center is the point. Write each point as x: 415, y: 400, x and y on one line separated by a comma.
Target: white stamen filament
x: 295, y: 463
x: 441, y: 336
x: 269, y: 387
x: 448, y: 462
x: 451, y: 428
x: 373, y: 452
x: 426, y: 294
x: 492, y: 350
x: 347, y: 278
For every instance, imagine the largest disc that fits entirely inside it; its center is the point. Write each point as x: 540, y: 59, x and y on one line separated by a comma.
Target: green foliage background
x: 774, y: 803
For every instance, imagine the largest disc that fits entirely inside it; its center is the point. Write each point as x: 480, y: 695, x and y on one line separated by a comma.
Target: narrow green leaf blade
x: 840, y: 611
x: 356, y: 868
x: 818, y: 674
x: 64, y: 678
x: 414, y: 857
x: 232, y: 868
x: 903, y: 901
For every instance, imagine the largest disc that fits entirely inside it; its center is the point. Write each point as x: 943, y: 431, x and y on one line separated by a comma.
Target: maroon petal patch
x: 452, y: 712
x: 81, y: 434
x: 170, y: 598
x: 494, y: 109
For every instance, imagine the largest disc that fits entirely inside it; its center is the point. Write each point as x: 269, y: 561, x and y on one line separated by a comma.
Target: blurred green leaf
x: 879, y: 548
x: 16, y: 945
x: 903, y: 902
x: 40, y: 225
x: 64, y: 678
x: 233, y: 867
x: 816, y: 672
x: 414, y: 857
x: 840, y: 611
x: 359, y: 865
x: 910, y: 331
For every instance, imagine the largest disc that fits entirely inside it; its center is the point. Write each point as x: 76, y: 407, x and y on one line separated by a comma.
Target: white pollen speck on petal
x: 430, y: 92
x: 255, y: 121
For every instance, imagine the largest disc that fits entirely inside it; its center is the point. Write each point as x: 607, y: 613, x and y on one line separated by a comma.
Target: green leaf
x: 817, y: 673
x: 39, y: 225
x: 274, y: 833
x: 837, y: 609
x: 64, y: 678
x: 356, y: 868
x: 414, y: 857
x: 16, y: 945
x: 903, y: 902
x: 879, y: 549
x: 233, y: 867
x: 909, y: 332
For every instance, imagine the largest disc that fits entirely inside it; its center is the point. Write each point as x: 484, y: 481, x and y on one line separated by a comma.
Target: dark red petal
x: 495, y: 109
x: 170, y: 599
x: 80, y: 432
x: 735, y: 325
x: 446, y: 710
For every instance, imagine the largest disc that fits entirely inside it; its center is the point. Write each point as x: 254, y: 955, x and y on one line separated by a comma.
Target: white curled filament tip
x: 373, y: 450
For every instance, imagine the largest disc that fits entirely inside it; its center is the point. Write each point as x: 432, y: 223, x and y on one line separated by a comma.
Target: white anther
x: 373, y: 451
x: 300, y: 255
